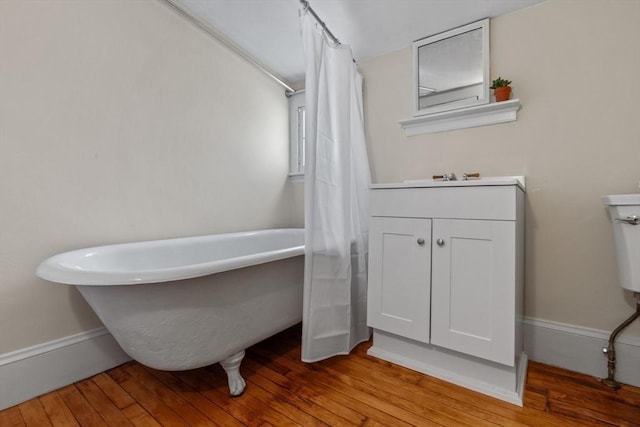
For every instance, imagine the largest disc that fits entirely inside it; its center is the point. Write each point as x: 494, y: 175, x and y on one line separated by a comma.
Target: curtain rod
x: 228, y: 43
x: 307, y: 7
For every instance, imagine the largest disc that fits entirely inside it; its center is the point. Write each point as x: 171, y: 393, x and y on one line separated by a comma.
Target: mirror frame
x: 484, y: 99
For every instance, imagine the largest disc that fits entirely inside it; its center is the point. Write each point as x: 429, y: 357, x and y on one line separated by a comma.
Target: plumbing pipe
x: 610, y: 350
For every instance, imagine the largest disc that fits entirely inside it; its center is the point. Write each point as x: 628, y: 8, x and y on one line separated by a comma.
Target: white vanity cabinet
x: 446, y: 278
x: 473, y: 288
x: 399, y: 276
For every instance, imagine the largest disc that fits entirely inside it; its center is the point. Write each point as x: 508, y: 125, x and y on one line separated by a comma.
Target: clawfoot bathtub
x: 185, y: 303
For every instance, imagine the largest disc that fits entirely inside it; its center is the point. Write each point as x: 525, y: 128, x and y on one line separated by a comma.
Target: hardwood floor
x: 342, y: 391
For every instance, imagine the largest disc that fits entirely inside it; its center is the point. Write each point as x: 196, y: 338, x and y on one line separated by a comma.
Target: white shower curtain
x: 337, y: 182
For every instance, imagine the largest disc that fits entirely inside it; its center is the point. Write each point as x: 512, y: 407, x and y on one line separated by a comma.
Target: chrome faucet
x: 446, y: 177
x: 452, y: 176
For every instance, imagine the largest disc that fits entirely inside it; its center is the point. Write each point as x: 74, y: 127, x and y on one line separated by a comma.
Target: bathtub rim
x: 52, y: 270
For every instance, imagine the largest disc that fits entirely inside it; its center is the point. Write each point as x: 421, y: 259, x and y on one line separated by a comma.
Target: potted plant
x: 501, y: 89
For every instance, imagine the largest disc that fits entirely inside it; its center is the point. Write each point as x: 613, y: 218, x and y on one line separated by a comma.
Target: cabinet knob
x: 421, y: 241
x: 440, y: 242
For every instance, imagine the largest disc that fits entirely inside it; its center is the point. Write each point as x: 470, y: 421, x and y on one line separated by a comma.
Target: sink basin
x: 621, y: 200
x: 484, y: 181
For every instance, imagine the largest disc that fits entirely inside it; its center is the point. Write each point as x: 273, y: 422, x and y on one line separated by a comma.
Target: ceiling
x: 269, y: 30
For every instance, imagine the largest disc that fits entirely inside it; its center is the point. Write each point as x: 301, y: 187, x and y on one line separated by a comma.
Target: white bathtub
x: 185, y: 303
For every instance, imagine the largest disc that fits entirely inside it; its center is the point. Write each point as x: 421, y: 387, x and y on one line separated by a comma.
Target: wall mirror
x: 451, y: 69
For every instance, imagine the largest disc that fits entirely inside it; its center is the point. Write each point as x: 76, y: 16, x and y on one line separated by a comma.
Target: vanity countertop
x: 484, y: 181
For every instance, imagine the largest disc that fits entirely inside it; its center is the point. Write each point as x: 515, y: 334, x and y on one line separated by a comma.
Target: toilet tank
x: 624, y: 211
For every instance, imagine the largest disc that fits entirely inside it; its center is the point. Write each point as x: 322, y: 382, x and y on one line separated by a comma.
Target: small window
x: 300, y: 151
x: 296, y: 135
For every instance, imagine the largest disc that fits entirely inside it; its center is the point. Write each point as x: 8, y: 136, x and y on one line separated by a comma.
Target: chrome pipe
x: 289, y: 94
x: 308, y: 8
x: 225, y: 41
x: 610, y: 350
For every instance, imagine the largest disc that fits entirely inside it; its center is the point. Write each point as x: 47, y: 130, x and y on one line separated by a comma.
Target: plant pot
x: 502, y: 93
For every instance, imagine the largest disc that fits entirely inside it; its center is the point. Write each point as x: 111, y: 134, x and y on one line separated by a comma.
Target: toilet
x: 624, y: 210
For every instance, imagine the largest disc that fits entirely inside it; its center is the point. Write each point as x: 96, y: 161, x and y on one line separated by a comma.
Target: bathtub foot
x: 231, y: 366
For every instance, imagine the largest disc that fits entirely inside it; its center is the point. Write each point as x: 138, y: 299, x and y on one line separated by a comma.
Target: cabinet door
x: 473, y: 288
x: 399, y: 276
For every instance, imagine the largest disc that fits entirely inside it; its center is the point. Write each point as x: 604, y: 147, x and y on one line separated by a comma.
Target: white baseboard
x: 579, y: 349
x: 493, y: 379
x: 36, y: 370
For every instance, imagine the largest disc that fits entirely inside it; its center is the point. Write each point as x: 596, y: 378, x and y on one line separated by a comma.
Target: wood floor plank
x: 500, y: 408
x: 58, y: 413
x: 585, y: 399
x: 118, y: 374
x: 560, y: 378
x: 33, y: 414
x: 299, y: 396
x: 477, y: 401
x: 613, y: 413
x: 272, y: 410
x: 400, y: 405
x: 452, y: 396
x: 536, y: 398
x: 211, y: 387
x: 161, y: 412
x: 419, y: 402
x: 378, y: 411
x: 503, y: 411
x: 354, y: 390
x: 173, y: 400
x: 392, y: 404
x: 109, y: 412
x: 81, y: 409
x: 219, y: 396
x: 210, y: 409
x: 213, y: 410
x: 11, y: 417
x: 372, y: 423
x: 118, y: 396
x: 276, y: 372
x: 276, y: 398
x: 139, y: 417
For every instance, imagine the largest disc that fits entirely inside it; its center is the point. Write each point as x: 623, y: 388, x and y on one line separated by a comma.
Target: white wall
x: 120, y: 121
x: 575, y: 68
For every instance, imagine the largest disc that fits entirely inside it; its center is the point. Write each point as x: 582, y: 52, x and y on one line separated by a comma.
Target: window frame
x: 296, y: 135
